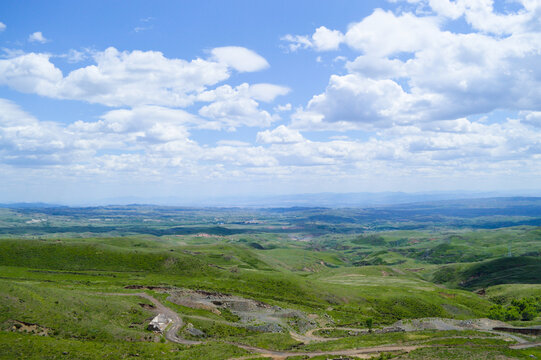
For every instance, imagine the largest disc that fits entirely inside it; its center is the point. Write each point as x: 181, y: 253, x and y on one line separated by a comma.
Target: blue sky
x: 107, y: 99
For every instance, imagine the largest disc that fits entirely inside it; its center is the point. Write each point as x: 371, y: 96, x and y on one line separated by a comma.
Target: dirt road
x: 177, y: 323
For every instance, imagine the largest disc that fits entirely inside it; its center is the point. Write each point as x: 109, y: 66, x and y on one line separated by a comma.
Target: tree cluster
x: 525, y: 309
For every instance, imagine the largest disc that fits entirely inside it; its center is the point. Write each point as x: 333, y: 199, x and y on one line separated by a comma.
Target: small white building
x: 159, y: 323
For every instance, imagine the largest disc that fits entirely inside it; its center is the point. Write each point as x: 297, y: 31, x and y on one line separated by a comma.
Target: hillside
x: 268, y: 281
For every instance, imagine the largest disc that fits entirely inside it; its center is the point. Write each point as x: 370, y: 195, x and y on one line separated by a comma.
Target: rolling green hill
x: 511, y: 270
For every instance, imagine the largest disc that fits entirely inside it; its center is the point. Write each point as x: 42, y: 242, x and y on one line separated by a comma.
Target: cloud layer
x: 422, y: 72
x: 413, y: 99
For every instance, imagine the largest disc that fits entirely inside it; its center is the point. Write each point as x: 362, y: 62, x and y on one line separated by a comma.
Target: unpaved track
x: 511, y: 336
x: 311, y: 337
x: 176, y: 325
x: 525, y: 346
x: 349, y: 352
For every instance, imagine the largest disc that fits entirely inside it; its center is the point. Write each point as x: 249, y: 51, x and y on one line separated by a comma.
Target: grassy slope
x: 511, y: 270
x: 57, y: 285
x: 18, y: 346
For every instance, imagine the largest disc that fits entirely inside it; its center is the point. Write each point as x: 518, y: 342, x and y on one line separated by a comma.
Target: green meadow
x: 61, y: 292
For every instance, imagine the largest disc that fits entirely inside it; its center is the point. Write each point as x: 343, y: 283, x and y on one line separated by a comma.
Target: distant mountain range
x: 330, y: 200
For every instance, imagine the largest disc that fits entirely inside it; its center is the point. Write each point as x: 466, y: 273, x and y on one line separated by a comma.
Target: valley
x: 416, y: 281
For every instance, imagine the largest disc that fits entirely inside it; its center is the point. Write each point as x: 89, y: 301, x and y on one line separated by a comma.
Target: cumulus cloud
x: 482, y: 16
x: 26, y: 141
x: 232, y: 112
x: 239, y: 58
x: 267, y: 92
x: 323, y: 39
x: 74, y: 56
x: 153, y: 142
x: 132, y: 78
x: 283, y: 108
x: 358, y: 100
x: 118, y: 78
x: 233, y: 107
x: 149, y: 124
x: 415, y: 88
x: 403, y: 33
x: 423, y: 73
x: 281, y: 134
x: 296, y: 42
x: 31, y: 73
x: 377, y: 67
x: 37, y: 37
x: 531, y: 117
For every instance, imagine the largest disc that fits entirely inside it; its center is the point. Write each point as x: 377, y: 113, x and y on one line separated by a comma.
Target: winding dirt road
x: 177, y: 323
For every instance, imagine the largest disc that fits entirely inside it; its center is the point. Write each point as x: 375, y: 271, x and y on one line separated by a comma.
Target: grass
x: 508, y: 270
x: 58, y: 285
x: 373, y: 339
x: 468, y: 352
x: 274, y: 341
x: 18, y: 346
x: 73, y: 313
x: 353, y: 293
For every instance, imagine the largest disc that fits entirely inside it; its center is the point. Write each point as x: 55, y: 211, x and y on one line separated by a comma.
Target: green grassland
x: 341, y: 267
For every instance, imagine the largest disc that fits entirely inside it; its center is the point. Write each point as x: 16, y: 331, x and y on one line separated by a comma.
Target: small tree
x: 369, y: 324
x: 529, y: 313
x: 497, y: 312
x: 512, y: 313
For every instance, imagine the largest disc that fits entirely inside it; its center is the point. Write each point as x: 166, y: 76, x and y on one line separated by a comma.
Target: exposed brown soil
x: 147, y: 306
x: 153, y: 288
x: 449, y: 296
x: 24, y: 327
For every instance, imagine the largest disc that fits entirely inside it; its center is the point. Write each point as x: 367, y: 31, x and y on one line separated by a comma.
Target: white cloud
x: 267, y: 92
x: 325, y: 39
x: 403, y: 33
x: 152, y: 124
x: 26, y: 141
x: 137, y: 78
x: 281, y: 134
x: 283, y: 108
x: 481, y: 15
x: 37, y: 37
x: 422, y: 73
x: 118, y: 78
x: 132, y: 78
x: 296, y: 42
x: 74, y: 56
x: 369, y: 103
x: 234, y: 107
x: 532, y: 118
x: 11, y: 53
x: 153, y: 143
x: 240, y: 58
x: 233, y: 143
x: 31, y: 73
x: 2, y: 26
x: 413, y: 88
x: 240, y: 156
x: 377, y: 67
x: 236, y: 111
